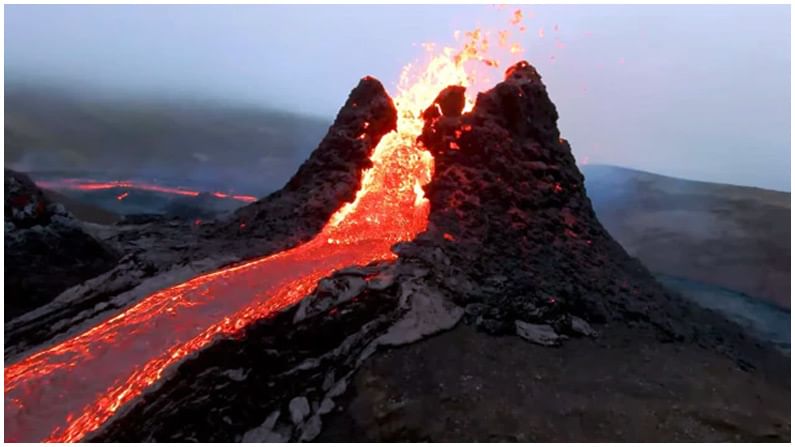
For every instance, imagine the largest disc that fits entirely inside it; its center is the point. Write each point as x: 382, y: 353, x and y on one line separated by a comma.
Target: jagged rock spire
x: 328, y: 178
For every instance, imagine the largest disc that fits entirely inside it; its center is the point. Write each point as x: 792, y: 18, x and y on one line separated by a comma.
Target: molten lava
x: 93, y: 185
x: 69, y: 390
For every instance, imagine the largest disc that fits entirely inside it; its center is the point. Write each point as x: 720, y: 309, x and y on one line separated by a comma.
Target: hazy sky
x: 700, y: 92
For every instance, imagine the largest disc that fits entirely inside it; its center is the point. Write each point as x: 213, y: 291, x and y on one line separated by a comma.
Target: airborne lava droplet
x: 517, y: 17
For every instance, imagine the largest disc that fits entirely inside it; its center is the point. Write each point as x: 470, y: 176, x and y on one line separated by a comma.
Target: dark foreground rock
x: 46, y: 249
x: 625, y: 386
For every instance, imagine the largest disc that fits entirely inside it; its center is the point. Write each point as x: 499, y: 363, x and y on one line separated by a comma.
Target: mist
x: 700, y: 92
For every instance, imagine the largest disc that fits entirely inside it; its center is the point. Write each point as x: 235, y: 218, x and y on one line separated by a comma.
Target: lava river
x: 94, y: 185
x: 66, y: 391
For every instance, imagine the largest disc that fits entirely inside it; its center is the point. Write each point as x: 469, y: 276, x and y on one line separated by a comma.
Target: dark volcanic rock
x: 25, y: 203
x: 46, y: 250
x: 449, y: 102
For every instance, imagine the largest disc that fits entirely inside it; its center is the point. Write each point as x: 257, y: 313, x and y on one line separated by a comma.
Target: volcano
x: 413, y: 216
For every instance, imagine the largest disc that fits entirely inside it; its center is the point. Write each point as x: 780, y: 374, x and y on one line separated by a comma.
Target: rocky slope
x: 513, y: 248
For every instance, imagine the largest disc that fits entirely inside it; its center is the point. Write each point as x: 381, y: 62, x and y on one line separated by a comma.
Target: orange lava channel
x: 93, y: 185
x: 66, y: 391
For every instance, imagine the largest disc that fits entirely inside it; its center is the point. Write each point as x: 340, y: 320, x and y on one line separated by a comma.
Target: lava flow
x: 69, y: 390
x: 94, y: 185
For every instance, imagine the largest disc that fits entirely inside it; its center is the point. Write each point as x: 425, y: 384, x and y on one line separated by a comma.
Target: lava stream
x: 69, y: 390
x: 94, y: 185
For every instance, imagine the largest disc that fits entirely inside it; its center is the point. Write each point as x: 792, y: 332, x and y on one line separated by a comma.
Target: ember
x: 67, y: 391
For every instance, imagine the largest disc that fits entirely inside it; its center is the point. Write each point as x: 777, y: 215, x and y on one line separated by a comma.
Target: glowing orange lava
x: 93, y: 185
x: 69, y: 390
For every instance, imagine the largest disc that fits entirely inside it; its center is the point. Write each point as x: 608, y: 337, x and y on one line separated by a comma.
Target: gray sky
x: 700, y: 92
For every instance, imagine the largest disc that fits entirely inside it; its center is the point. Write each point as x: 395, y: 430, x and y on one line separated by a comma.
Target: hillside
x: 218, y: 145
x: 730, y: 236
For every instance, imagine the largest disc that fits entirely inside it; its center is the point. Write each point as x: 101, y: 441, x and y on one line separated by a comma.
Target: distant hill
x: 731, y: 236
x: 249, y: 148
